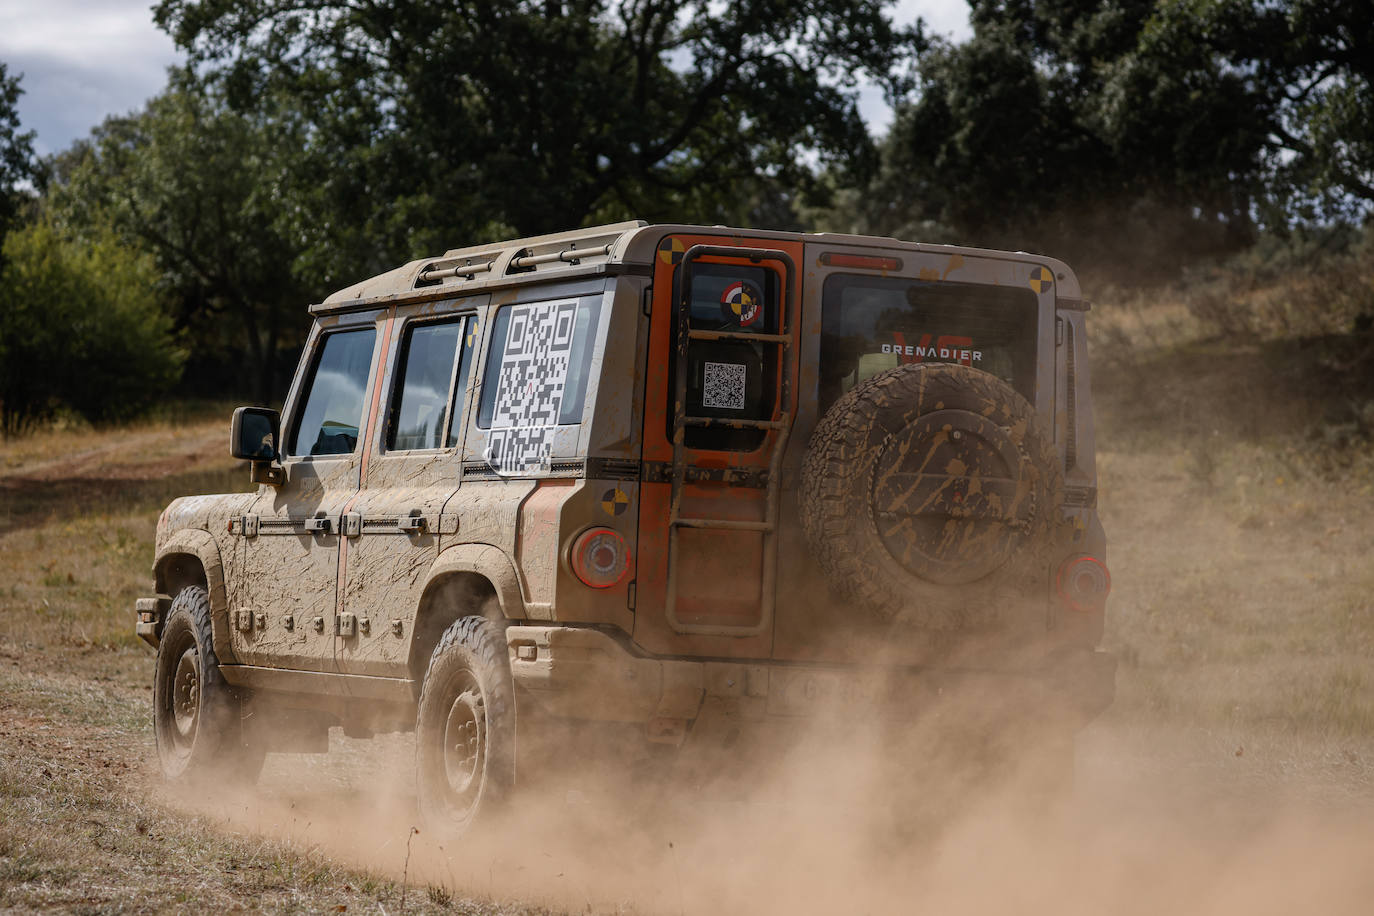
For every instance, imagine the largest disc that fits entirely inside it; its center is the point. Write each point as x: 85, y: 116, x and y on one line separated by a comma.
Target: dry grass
x: 85, y: 824
x: 1238, y: 494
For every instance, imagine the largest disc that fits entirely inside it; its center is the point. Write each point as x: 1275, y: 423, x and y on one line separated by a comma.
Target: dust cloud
x: 834, y: 815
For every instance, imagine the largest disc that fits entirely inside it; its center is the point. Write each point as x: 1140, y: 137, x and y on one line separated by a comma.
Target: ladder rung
x: 782, y: 340
x: 733, y: 424
x: 728, y: 524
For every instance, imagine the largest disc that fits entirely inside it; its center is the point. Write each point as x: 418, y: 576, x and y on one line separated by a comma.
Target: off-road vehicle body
x: 641, y: 474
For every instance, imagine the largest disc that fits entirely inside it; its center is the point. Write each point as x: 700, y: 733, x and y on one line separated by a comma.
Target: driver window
x: 334, y: 403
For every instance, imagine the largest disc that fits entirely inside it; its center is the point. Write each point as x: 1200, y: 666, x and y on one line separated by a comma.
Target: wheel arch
x: 466, y: 580
x: 191, y: 557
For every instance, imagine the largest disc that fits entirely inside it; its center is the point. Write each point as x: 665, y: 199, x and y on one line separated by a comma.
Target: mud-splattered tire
x: 465, y: 727
x: 931, y: 495
x: 196, y: 720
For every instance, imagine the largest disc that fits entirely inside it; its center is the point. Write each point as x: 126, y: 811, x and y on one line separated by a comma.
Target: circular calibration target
x: 741, y: 303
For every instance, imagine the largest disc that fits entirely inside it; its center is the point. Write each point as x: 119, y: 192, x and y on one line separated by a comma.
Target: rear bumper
x: 586, y: 674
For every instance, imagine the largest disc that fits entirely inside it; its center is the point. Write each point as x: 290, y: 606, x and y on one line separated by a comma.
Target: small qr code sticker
x: 723, y: 386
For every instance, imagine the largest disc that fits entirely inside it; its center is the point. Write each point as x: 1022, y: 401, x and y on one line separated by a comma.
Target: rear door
x: 870, y: 309
x: 410, y: 471
x: 718, y: 408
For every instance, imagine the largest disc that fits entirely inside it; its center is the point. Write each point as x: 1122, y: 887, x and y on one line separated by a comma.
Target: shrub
x: 81, y: 328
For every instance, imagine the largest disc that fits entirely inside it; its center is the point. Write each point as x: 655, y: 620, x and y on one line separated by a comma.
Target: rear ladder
x: 781, y: 424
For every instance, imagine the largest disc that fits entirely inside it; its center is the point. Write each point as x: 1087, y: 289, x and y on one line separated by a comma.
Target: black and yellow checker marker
x: 615, y: 501
x: 1041, y: 279
x: 671, y: 251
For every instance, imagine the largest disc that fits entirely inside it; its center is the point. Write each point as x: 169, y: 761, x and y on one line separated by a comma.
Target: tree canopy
x: 210, y: 194
x: 1129, y: 132
x: 16, y: 152
x: 461, y: 121
x: 310, y: 143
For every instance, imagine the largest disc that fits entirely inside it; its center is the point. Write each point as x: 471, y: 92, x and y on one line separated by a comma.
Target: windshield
x: 870, y: 324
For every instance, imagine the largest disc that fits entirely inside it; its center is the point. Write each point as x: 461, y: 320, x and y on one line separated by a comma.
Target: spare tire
x: 931, y: 494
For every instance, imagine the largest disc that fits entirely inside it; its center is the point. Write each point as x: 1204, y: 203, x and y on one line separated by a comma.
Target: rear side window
x: 433, y: 377
x: 334, y: 400
x: 869, y: 324
x: 536, y: 375
x: 729, y: 379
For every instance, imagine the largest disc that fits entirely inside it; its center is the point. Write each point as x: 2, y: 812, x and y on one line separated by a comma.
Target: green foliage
x: 1108, y: 131
x: 432, y: 125
x: 211, y: 194
x: 80, y: 328
x: 1132, y: 136
x: 1325, y: 80
x: 16, y: 152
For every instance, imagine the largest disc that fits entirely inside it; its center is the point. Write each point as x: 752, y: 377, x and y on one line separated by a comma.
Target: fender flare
x: 200, y: 544
x: 487, y: 561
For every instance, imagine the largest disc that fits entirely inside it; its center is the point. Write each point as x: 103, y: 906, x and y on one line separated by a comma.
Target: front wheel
x: 195, y: 712
x: 465, y: 726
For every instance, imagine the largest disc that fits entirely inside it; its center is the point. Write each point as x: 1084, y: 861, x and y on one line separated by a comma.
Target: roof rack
x: 579, y: 246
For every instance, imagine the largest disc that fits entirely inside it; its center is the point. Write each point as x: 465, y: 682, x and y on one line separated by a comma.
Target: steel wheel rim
x: 185, y: 699
x: 465, y: 740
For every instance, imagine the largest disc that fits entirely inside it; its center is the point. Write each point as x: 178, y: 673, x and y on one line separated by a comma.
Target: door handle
x: 413, y: 523
x: 319, y: 525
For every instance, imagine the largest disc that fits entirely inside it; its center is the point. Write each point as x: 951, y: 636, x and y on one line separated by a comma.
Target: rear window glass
x: 869, y: 324
x: 733, y: 297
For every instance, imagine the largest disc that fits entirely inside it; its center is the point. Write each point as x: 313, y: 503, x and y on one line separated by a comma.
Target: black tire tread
x: 835, y: 466
x: 219, y: 752
x: 478, y: 642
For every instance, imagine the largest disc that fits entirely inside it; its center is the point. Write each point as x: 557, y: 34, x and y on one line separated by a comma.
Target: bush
x: 81, y: 328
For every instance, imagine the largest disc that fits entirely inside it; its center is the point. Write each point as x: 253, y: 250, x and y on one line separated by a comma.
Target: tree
x: 1111, y: 130
x: 80, y: 328
x: 447, y: 123
x: 208, y: 192
x: 1323, y: 165
x: 16, y: 153
x: 1132, y: 134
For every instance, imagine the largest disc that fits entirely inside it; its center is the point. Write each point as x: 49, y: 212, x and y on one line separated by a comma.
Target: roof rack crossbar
x: 429, y: 275
x: 571, y: 255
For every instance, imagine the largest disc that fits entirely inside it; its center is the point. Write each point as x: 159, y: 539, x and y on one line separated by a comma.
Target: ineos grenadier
x: 643, y: 474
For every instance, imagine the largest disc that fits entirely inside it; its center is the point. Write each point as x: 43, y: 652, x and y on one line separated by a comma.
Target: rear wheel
x: 465, y: 726
x: 195, y: 712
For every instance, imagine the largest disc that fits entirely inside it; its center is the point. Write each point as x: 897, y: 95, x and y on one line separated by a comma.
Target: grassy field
x: 1238, y: 494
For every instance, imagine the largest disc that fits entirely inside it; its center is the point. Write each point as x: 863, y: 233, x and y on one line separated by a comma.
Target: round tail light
x: 600, y: 558
x: 1084, y: 584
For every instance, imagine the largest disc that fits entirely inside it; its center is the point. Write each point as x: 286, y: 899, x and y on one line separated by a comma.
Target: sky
x: 84, y: 60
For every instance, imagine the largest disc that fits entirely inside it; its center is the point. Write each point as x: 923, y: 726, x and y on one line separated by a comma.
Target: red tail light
x: 600, y: 558
x: 1084, y: 583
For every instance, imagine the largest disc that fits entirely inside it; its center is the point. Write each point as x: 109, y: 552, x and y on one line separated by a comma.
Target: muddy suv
x: 648, y: 475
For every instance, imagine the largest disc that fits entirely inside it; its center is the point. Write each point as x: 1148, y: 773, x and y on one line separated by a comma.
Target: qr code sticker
x: 520, y: 451
x: 723, y: 386
x: 529, y: 387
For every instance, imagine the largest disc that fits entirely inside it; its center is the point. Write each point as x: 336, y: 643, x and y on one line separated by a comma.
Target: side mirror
x: 253, y: 436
